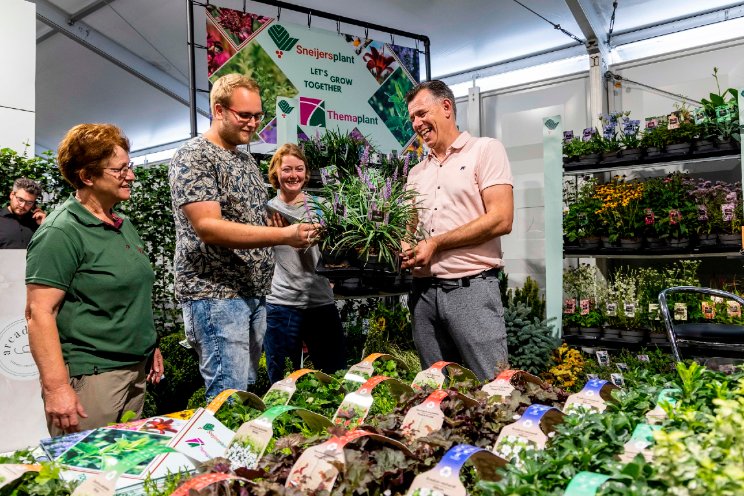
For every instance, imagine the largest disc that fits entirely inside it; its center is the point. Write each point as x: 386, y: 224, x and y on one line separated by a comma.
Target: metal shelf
x: 650, y: 254
x: 709, y: 164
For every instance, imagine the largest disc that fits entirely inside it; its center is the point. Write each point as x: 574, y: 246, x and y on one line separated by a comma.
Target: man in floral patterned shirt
x: 223, y: 260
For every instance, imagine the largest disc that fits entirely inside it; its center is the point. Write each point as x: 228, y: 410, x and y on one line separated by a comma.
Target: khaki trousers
x: 106, y: 396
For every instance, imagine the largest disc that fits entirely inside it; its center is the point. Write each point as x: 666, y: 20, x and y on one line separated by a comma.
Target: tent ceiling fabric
x: 76, y: 85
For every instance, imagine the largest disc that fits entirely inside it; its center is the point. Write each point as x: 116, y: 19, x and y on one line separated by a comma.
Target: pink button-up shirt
x: 450, y: 196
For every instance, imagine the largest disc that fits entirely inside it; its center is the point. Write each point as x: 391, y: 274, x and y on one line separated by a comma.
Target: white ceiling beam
x: 592, y: 27
x: 118, y: 55
x: 677, y: 25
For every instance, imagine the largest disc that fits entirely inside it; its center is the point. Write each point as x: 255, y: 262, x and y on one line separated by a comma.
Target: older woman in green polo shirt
x: 89, y: 291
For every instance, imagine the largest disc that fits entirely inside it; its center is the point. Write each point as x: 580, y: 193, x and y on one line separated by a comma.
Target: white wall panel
x: 18, y: 62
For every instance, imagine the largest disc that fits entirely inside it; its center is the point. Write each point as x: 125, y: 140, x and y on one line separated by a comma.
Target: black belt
x: 438, y: 282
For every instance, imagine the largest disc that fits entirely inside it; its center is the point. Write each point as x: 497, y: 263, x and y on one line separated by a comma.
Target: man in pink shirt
x: 464, y: 187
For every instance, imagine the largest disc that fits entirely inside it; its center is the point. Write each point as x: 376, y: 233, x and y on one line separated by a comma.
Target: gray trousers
x: 460, y: 323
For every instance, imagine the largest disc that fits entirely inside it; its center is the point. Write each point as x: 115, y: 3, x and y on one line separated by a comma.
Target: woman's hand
x: 157, y: 368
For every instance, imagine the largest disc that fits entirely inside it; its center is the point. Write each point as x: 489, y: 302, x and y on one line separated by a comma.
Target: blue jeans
x: 228, y: 336
x: 319, y: 327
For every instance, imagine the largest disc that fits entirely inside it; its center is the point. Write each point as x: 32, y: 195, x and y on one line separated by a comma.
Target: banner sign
x: 312, y: 79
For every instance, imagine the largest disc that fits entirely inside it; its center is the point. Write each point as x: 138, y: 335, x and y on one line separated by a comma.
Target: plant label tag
x: 630, y: 310
x: 680, y: 311
x: 733, y: 308
x: 432, y: 378
x: 585, y: 484
x: 727, y: 211
x: 673, y: 121
x: 595, y: 395
x: 643, y: 358
x: 585, y: 304
x: 653, y: 311
x: 666, y: 397
x: 421, y: 420
x: 203, y: 437
x: 502, y: 386
x: 709, y: 310
x: 640, y: 443
x: 185, y: 343
x: 699, y: 115
x: 568, y: 136
x: 11, y: 471
x: 592, y: 376
x: 353, y: 409
x: 587, y: 133
x: 329, y: 174
x: 444, y: 478
x: 203, y: 481
x: 244, y: 396
x: 618, y: 380
x: 723, y: 114
x: 280, y: 392
x: 622, y: 366
x: 603, y: 358
x: 611, y: 309
x: 251, y: 439
x: 363, y: 370
x: 569, y: 306
x: 533, y: 426
x: 651, y: 122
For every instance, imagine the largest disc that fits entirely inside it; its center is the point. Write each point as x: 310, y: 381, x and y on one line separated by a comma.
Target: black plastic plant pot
x: 634, y: 335
x: 629, y: 156
x: 591, y: 332
x: 654, y: 154
x: 589, y: 159
x: 678, y: 149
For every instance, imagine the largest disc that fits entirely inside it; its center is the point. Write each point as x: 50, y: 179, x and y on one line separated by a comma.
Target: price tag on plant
x: 603, y: 358
x: 595, y: 395
x: 651, y: 122
x: 630, y: 310
x: 723, y: 114
x: 622, y: 366
x: 587, y: 134
x: 699, y: 115
x: 673, y: 121
x: 422, y: 420
x: 568, y: 136
x: 709, y: 310
x: 569, y: 306
x: 611, y: 309
x: 281, y: 392
x: 680, y: 311
x: 733, y: 309
x: 531, y: 430
x: 444, y: 478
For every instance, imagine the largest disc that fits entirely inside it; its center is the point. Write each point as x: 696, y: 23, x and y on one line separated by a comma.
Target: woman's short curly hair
x: 85, y: 148
x: 276, y: 162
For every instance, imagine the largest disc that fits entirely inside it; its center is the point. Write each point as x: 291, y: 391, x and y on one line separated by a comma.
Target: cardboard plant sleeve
x: 202, y: 481
x: 503, y: 384
x: 531, y: 430
x: 594, y: 396
x: 11, y: 471
x: 281, y: 392
x: 434, y: 377
x: 444, y: 478
x: 427, y: 417
x: 640, y: 443
x: 658, y: 414
x: 356, y: 405
x: 246, y: 397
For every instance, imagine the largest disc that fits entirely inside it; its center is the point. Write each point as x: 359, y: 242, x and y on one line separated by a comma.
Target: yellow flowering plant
x: 621, y: 211
x: 568, y: 371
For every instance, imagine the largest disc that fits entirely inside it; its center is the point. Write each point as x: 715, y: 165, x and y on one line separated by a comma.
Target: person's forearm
x: 235, y: 235
x: 46, y: 349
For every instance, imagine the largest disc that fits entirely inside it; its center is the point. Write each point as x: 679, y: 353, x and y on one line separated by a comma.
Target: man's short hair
x: 287, y: 149
x: 85, y: 147
x: 437, y: 88
x: 26, y: 184
x: 223, y: 88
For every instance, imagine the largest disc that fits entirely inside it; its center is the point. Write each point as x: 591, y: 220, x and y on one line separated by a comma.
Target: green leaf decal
x: 551, y: 124
x: 285, y: 106
x: 281, y: 37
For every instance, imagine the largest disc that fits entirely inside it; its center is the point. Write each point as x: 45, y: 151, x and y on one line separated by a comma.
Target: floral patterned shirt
x: 202, y: 171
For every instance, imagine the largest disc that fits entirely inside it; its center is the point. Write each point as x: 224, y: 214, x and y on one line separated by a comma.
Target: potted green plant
x: 731, y: 217
x: 655, y: 138
x: 365, y: 217
x: 580, y: 220
x: 620, y: 138
x: 582, y: 286
x: 334, y: 150
x: 621, y: 211
x: 676, y: 213
x: 709, y: 198
x: 719, y: 120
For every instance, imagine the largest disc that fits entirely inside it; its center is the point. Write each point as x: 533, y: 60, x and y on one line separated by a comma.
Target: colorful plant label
x: 667, y: 397
x: 680, y: 311
x: 434, y: 378
x: 651, y: 122
x: 363, y: 370
x: 531, y: 430
x: 708, y: 309
x: 281, y: 392
x: 611, y: 309
x: 699, y: 115
x: 422, y: 420
x: 585, y: 306
x: 356, y: 405
x: 246, y: 397
x: 617, y: 379
x: 594, y: 396
x: 603, y: 358
x: 673, y: 121
x: 569, y: 306
x: 585, y: 484
x: 11, y: 471
x: 203, y: 438
x: 733, y: 308
x: 630, y: 309
x: 444, y: 478
x: 653, y: 311
x: 640, y: 443
x: 502, y: 385
x: 317, y: 468
x: 643, y: 358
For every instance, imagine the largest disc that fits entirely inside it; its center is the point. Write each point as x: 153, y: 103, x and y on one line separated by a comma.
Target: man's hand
x: 39, y: 215
x: 302, y: 235
x: 63, y: 408
x: 157, y: 368
x: 419, y: 255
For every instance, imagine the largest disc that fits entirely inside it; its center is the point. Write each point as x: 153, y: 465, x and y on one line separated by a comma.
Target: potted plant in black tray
x: 682, y: 132
x: 620, y: 138
x: 718, y: 119
x: 731, y: 217
x: 581, y: 226
x: 676, y: 212
x: 655, y: 139
x: 333, y: 151
x: 365, y: 218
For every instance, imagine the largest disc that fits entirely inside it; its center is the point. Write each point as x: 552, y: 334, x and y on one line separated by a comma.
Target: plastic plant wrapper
x: 503, y: 387
x: 444, y: 478
x: 594, y: 396
x: 434, y: 378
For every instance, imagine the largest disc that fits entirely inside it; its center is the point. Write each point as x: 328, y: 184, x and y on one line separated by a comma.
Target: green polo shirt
x: 105, y: 321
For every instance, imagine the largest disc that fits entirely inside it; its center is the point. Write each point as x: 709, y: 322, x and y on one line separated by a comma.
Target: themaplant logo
x: 195, y: 443
x: 282, y: 39
x: 312, y: 111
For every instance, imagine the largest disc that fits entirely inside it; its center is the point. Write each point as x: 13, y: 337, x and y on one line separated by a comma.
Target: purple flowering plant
x: 366, y: 214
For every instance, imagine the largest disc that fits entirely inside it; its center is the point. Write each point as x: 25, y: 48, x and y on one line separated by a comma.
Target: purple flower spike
x: 365, y: 155
x: 388, y: 188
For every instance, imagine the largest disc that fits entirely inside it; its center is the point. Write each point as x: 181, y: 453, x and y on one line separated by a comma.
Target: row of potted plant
x: 711, y: 129
x: 656, y: 213
x: 625, y: 305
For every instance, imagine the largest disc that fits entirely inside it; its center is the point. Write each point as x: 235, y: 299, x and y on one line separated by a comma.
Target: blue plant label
x: 444, y: 478
x: 594, y: 396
